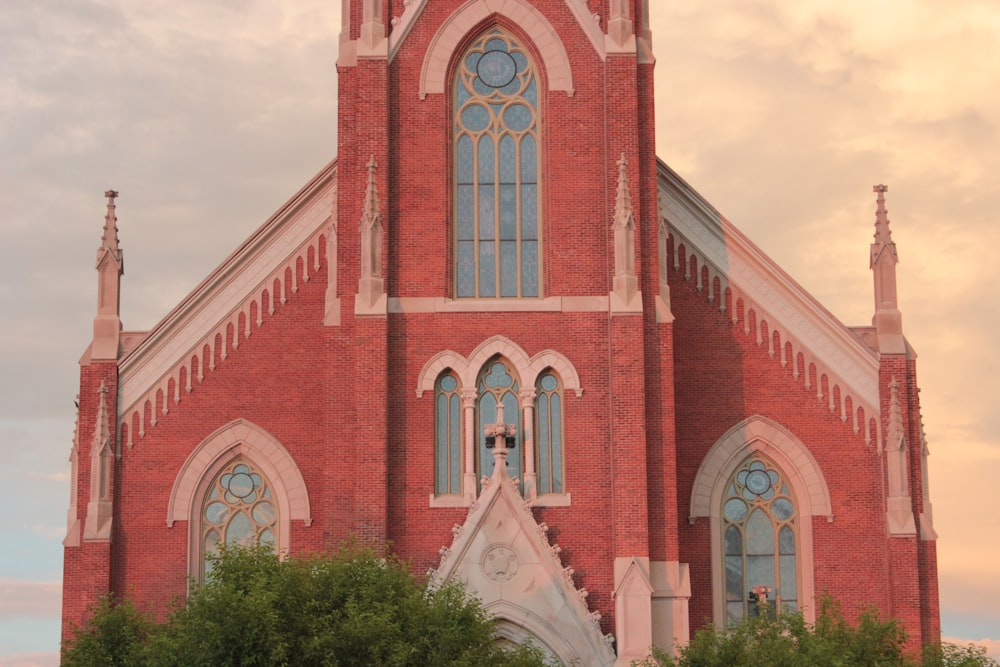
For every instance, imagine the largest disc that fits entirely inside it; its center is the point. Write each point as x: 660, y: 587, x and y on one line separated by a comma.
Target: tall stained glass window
x: 498, y: 383
x: 238, y: 509
x: 548, y: 434
x: 496, y: 140
x: 758, y: 536
x: 447, y: 436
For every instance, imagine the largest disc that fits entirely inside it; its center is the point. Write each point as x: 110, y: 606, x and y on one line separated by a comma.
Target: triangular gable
x: 503, y: 556
x: 290, y: 239
x: 775, y: 297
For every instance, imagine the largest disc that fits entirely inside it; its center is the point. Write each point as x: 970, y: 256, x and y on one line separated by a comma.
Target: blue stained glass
x: 734, y: 542
x: 498, y: 377
x: 786, y: 541
x: 463, y: 95
x: 508, y: 268
x: 240, y: 530
x: 529, y: 268
x: 508, y: 212
x: 508, y: 160
x: 734, y: 579
x: 449, y: 383
x: 544, y: 468
x: 475, y: 118
x: 786, y: 565
x: 557, y: 485
x: 487, y: 269
x: 496, y: 68
x: 217, y: 512
x: 760, y: 572
x: 496, y: 45
x: 487, y: 415
x: 487, y: 209
x: 782, y: 509
x: 549, y: 382
x: 529, y: 212
x: 263, y: 513
x: 465, y: 160
x: 441, y: 463
x: 735, y: 509
x: 466, y: 213
x: 529, y: 160
x: 760, y: 534
x: 486, y: 166
x: 518, y: 117
x: 472, y: 60
x: 520, y: 60
x: 455, y: 454
x: 513, y: 87
x: 480, y: 87
x: 531, y: 93
x: 466, y: 278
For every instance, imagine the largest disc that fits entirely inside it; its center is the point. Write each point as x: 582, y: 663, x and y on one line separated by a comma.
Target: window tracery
x: 496, y: 172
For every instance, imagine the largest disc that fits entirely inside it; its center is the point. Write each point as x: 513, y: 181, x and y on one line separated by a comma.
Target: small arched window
x: 447, y: 436
x: 496, y: 170
x: 549, y: 433
x: 238, y: 508
x: 759, y: 534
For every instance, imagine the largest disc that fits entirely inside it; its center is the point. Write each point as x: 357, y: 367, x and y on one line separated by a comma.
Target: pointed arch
x: 240, y: 437
x: 765, y: 437
x: 455, y: 28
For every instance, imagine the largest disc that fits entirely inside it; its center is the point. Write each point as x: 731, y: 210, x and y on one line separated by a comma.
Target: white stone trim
x: 456, y: 27
x: 280, y: 249
x: 711, y: 242
x: 802, y: 472
x: 468, y: 369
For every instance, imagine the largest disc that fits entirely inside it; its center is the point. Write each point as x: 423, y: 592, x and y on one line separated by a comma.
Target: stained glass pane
x: 240, y: 530
x: 734, y: 612
x: 449, y: 383
x: 735, y: 509
x: 735, y: 590
x: 529, y: 212
x: 508, y: 212
x: 786, y: 541
x: 760, y: 534
x: 266, y: 537
x: 496, y: 45
x: 487, y: 206
x: 734, y: 541
x: 263, y: 513
x: 543, y: 443
x: 475, y: 118
x: 549, y: 382
x: 508, y: 160
x: 557, y: 462
x: 529, y: 268
x: 487, y: 415
x: 787, y: 577
x: 508, y: 268
x: 487, y: 174
x: 455, y: 452
x: 466, y: 277
x: 760, y: 571
x: 442, y: 444
x: 517, y: 117
x: 466, y: 212
x: 465, y: 159
x: 487, y: 269
x: 529, y: 160
x: 217, y: 513
x: 511, y: 415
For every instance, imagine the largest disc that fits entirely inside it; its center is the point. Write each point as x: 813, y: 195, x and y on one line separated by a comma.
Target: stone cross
x: 496, y: 439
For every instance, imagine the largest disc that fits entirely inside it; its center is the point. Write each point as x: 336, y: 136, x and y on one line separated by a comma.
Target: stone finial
x: 899, y: 508
x: 371, y: 288
x: 624, y: 216
x: 625, y: 295
x: 110, y: 268
x: 887, y: 319
x: 97, y: 526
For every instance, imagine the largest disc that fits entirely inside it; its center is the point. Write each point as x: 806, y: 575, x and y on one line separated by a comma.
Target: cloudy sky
x: 208, y: 115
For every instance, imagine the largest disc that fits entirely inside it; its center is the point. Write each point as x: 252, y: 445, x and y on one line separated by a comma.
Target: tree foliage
x: 786, y: 640
x: 349, y: 608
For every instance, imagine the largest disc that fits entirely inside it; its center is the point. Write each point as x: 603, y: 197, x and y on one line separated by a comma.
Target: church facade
x: 497, y: 334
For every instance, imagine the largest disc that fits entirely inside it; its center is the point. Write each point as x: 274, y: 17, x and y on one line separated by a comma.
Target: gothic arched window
x: 447, y: 436
x: 549, y: 433
x: 498, y: 383
x: 759, y: 540
x: 496, y: 158
x: 238, y: 508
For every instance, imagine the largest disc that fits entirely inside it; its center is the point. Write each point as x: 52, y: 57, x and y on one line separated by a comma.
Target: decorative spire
x: 896, y: 435
x: 371, y: 289
x: 623, y: 200
x: 625, y: 295
x: 887, y: 320
x: 99, y: 510
x: 110, y: 268
x: 900, y: 509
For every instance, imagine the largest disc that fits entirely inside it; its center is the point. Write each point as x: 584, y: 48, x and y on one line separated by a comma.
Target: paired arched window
x: 496, y: 170
x: 538, y: 459
x: 759, y: 526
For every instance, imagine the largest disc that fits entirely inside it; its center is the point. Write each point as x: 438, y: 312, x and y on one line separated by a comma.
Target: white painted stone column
x: 527, y: 397
x: 469, y: 414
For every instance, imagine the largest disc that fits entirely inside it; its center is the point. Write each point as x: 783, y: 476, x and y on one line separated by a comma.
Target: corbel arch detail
x: 246, y: 438
x: 527, y: 368
x: 434, y: 72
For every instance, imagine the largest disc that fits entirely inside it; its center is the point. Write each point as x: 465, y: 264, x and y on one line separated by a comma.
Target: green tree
x: 786, y: 640
x: 349, y: 608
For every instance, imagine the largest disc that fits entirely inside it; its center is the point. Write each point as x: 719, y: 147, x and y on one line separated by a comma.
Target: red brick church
x: 497, y: 333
